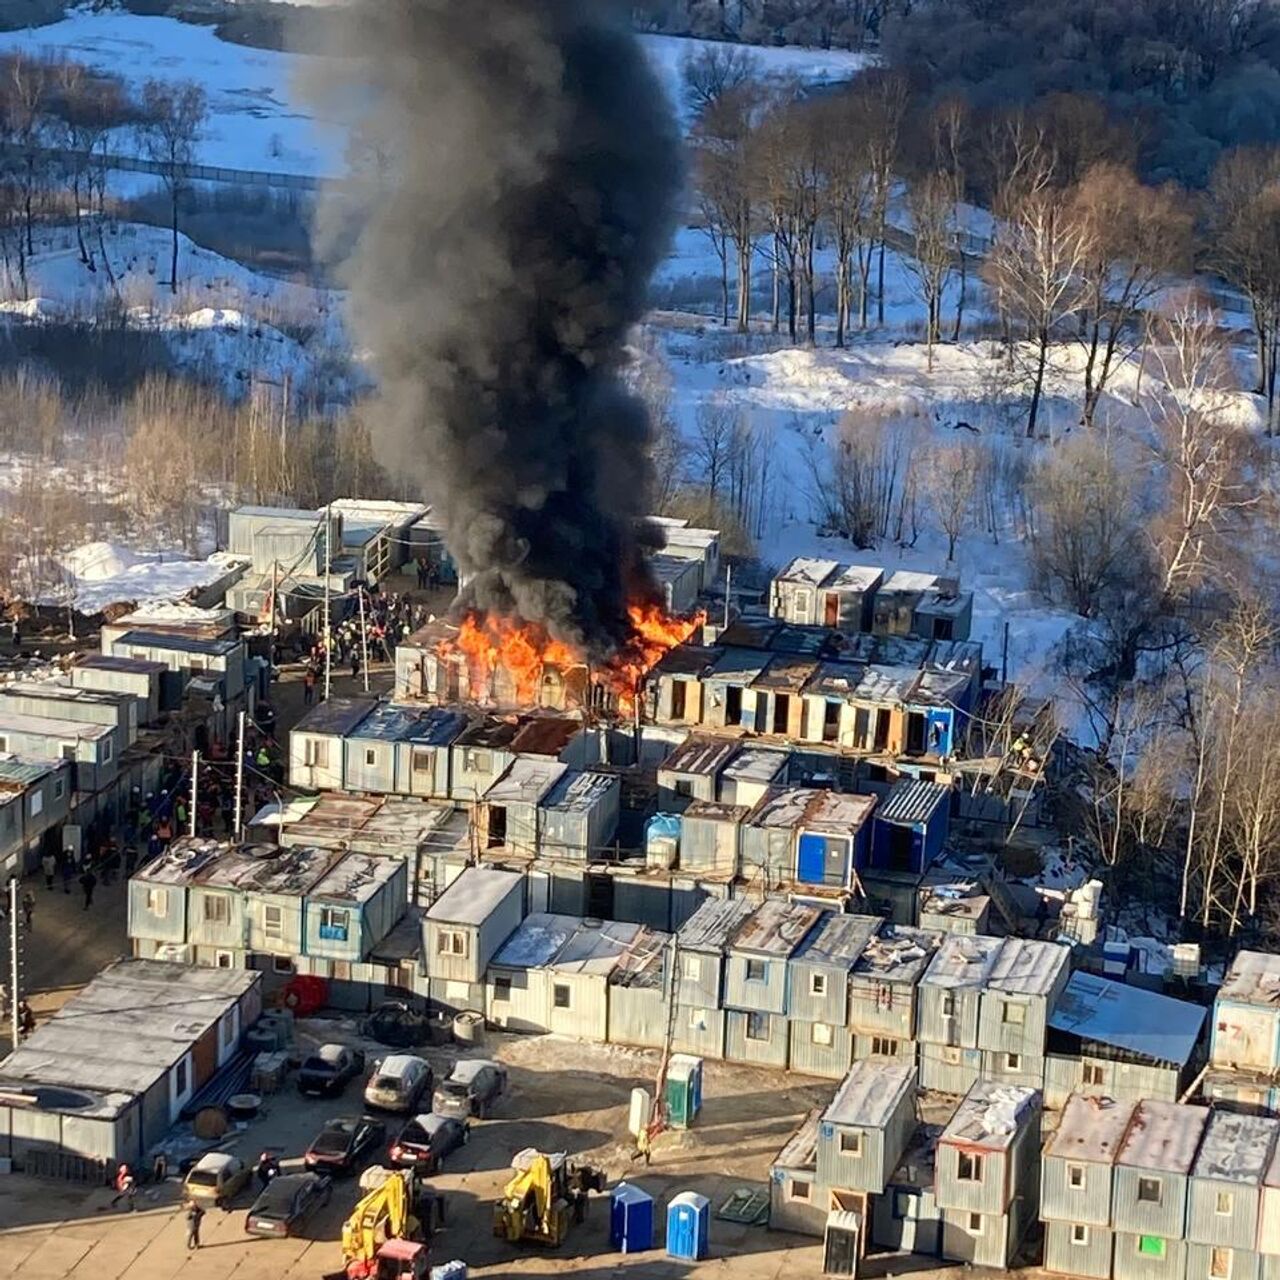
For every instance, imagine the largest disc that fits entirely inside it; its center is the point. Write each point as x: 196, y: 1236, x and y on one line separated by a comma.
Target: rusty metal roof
x: 775, y: 928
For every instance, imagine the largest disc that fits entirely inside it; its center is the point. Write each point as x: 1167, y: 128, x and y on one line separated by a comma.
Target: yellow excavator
x: 380, y: 1240
x: 545, y: 1196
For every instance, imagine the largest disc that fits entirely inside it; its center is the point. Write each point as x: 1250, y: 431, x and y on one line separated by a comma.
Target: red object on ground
x: 306, y: 994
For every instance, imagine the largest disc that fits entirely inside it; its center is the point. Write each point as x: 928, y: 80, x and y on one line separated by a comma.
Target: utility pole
x: 728, y: 584
x: 239, y: 814
x: 364, y: 640
x: 328, y: 564
x: 195, y: 787
x: 13, y: 959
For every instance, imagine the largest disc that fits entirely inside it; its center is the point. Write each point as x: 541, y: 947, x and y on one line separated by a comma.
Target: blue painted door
x: 811, y: 864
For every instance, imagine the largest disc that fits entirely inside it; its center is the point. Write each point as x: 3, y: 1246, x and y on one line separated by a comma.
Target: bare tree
x: 950, y: 478
x: 950, y: 128
x: 174, y: 118
x: 716, y: 434
x: 887, y: 100
x: 931, y: 201
x: 713, y: 70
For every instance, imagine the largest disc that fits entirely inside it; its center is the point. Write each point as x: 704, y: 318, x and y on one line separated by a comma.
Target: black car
x: 326, y: 1072
x: 425, y: 1141
x: 342, y: 1145
x: 286, y: 1204
x: 397, y: 1024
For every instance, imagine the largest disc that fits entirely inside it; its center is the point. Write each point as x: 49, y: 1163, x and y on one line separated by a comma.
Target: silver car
x: 472, y: 1088
x: 398, y: 1083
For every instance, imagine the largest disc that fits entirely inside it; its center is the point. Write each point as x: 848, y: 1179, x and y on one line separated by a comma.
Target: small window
x: 68, y: 750
x: 697, y: 1020
x: 1220, y: 1264
x: 1075, y: 1177
x: 904, y: 1205
x: 37, y: 803
x: 801, y: 1190
x: 158, y: 902
x: 562, y: 997
x: 315, y: 753
x: 821, y: 1034
x: 370, y: 755
x: 693, y: 968
x: 883, y: 1047
x: 281, y: 964
x: 451, y: 942
x: 817, y: 984
x: 1151, y: 1246
x: 501, y: 990
x: 1079, y: 1234
x: 968, y: 1167
x: 684, y: 788
x: 217, y: 909
x: 272, y: 921
x: 948, y: 1004
x: 1013, y: 1062
x: 180, y: 1078
x: 1094, y: 1074
x: 1013, y: 1014
x: 757, y: 1026
x: 1149, y: 1192
x: 108, y: 750
x: 334, y: 923
x: 476, y: 761
x: 975, y: 1224
x: 223, y: 960
x: 1223, y: 1203
x: 756, y: 970
x: 423, y: 761
x: 59, y: 788
x: 851, y: 1144
x: 951, y: 1055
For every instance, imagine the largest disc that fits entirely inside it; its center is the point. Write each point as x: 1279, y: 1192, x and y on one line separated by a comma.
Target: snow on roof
x: 280, y: 513
x: 336, y: 717
x: 465, y: 1072
x: 907, y: 580
x: 808, y: 572
x: 784, y: 810
x: 671, y: 568
x: 789, y: 672
x: 940, y: 688
x: 536, y: 941
x: 870, y: 1094
x: 595, y: 948
x: 887, y: 684
x: 1236, y: 1148
x: 710, y: 927
x: 699, y: 755
x: 475, y: 895
x: 775, y: 928
x: 963, y: 960
x: 1163, y: 1136
x: 423, y: 726
x: 835, y: 679
x: 715, y: 811
x: 891, y: 651
x: 357, y: 878
x: 1091, y: 1129
x: 800, y: 1151
x: 1026, y: 967
x: 181, y: 861
x: 527, y: 780
x: 580, y: 792
x: 991, y: 1115
x: 838, y: 812
x: 838, y: 940
x: 1254, y: 978
x: 381, y: 512
x: 1142, y: 1022
x: 740, y: 666
x: 755, y: 764
x: 898, y: 954
x: 264, y: 869
x: 964, y: 656
x: 856, y: 577
x: 52, y: 727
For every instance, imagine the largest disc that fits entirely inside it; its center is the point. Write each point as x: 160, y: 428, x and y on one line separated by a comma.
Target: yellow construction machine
x: 545, y: 1196
x: 385, y: 1213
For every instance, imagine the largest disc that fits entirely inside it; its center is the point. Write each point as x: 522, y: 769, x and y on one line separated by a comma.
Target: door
x: 733, y: 704
x: 497, y: 826
x: 901, y: 848
x: 915, y: 733
x: 882, y: 728
x: 600, y: 897
x: 811, y: 862
x: 830, y: 721
x: 679, y: 693
x: 831, y: 610
x: 781, y: 712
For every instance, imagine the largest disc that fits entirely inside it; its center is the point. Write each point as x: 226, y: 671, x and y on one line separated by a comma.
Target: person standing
x: 88, y: 882
x: 309, y: 686
x: 28, y: 909
x: 126, y: 1187
x: 68, y: 870
x: 195, y: 1216
x: 49, y: 865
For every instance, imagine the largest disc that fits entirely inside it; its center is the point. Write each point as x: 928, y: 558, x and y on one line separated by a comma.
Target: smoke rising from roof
x: 516, y: 169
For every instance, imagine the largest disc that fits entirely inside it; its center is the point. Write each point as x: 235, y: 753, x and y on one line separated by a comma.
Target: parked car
x: 397, y: 1024
x: 327, y: 1071
x: 399, y: 1083
x: 343, y: 1143
x: 425, y: 1141
x: 286, y: 1203
x: 216, y: 1178
x: 472, y: 1088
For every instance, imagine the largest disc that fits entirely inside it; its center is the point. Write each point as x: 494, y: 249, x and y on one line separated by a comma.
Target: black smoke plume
x: 515, y: 170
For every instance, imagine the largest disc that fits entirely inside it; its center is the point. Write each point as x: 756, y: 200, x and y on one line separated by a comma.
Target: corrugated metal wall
x: 988, y: 1247
x: 1089, y: 1203
x: 882, y: 1006
x: 637, y: 1015
x: 698, y: 979
x: 1166, y: 1219
x: 806, y: 1217
x: 862, y: 1172
x: 1004, y: 1036
x: 987, y: 1196
x: 865, y: 1046
x: 587, y: 1014
x: 830, y: 1006
x: 960, y: 1027
x: 768, y: 850
x: 766, y: 995
x: 362, y: 775
x: 1269, y: 1222
x: 949, y: 1077
x: 1237, y: 1229
x: 699, y: 1031
x: 768, y: 1052
x: 816, y: 1058
x: 1245, y: 1264
x: 145, y: 924
x: 907, y: 1219
x: 1029, y: 1070
x: 525, y: 1008
x: 1067, y: 1255
x: 1128, y: 1262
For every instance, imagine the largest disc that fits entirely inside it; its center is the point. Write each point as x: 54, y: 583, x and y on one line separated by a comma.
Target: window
x: 948, y: 1004
x: 851, y: 1144
x: 59, y: 788
x: 1220, y: 1264
x: 370, y: 755
x: 1223, y: 1203
x: 180, y: 1078
x: 684, y: 788
x: 904, y: 1205
x: 501, y: 990
x: 1075, y: 1177
x: 158, y: 902
x: 968, y: 1167
x: 315, y: 754
x: 693, y: 968
x: 37, y: 803
x: 1151, y: 1246
x: 272, y: 921
x: 451, y: 942
x: 801, y: 1190
x: 1094, y: 1074
x: 217, y: 909
x: 1079, y: 1233
x: 477, y: 761
x: 422, y: 761
x: 883, y: 1047
x: 223, y: 960
x: 1013, y: 1015
x: 755, y: 970
x: 697, y: 1020
x: 817, y: 984
x: 281, y: 964
x: 1149, y: 1192
x: 975, y: 1224
x: 108, y: 750
x: 1013, y: 1062
x: 68, y: 750
x: 821, y: 1034
x: 333, y: 923
x: 951, y: 1055
x: 757, y: 1026
x: 561, y: 996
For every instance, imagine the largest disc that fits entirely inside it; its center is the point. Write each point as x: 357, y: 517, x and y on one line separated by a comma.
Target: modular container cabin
x: 831, y: 839
x: 954, y: 908
x: 517, y: 981
x: 711, y: 838
x: 757, y: 980
x: 36, y: 800
x: 579, y: 975
x: 769, y: 834
x: 825, y: 592
x: 949, y: 1004
x: 139, y: 678
x: 702, y: 546
x: 332, y: 821
x: 432, y: 839
x: 797, y: 1201
x: 987, y: 1174
x: 402, y: 750
x: 818, y: 1000
x: 92, y: 749
x: 729, y: 701
x: 674, y: 690
x: 285, y: 539
x: 107, y: 1076
x: 463, y: 929
x: 935, y: 721
x: 353, y: 907
x: 780, y: 705
x: 883, y: 992
x: 219, y: 662
x: 879, y: 717
x: 1109, y: 1039
x: 1246, y: 1015
x: 910, y: 827
x: 701, y: 943
x: 924, y: 605
x: 376, y: 534
x: 317, y: 743
x: 1021, y: 992
x: 66, y: 702
x: 158, y: 908
x: 509, y: 817
x: 865, y: 1130
x: 1152, y: 1183
x: 578, y: 818
x: 1269, y: 1219
x: 829, y: 713
x: 750, y: 776
x: 1077, y: 1184
x: 639, y: 1002
x: 678, y: 579
x: 906, y: 1217
x: 480, y: 755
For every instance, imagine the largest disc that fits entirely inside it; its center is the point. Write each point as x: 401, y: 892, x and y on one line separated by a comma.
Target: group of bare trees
x: 848, y: 24
x: 58, y: 121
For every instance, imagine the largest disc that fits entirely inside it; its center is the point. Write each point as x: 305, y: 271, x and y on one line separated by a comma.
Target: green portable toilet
x: 684, y: 1090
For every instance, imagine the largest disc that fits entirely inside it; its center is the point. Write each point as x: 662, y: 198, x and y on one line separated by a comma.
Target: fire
x: 523, y: 650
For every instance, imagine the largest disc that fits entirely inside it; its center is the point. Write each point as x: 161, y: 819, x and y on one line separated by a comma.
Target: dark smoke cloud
x: 520, y: 168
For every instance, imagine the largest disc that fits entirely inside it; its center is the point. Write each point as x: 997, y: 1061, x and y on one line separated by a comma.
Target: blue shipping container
x: 688, y: 1225
x: 630, y: 1219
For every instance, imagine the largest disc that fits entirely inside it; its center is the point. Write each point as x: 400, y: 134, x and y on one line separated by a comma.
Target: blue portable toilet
x: 688, y: 1224
x: 630, y: 1219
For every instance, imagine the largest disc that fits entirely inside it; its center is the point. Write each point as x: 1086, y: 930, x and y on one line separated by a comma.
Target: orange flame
x: 522, y: 650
